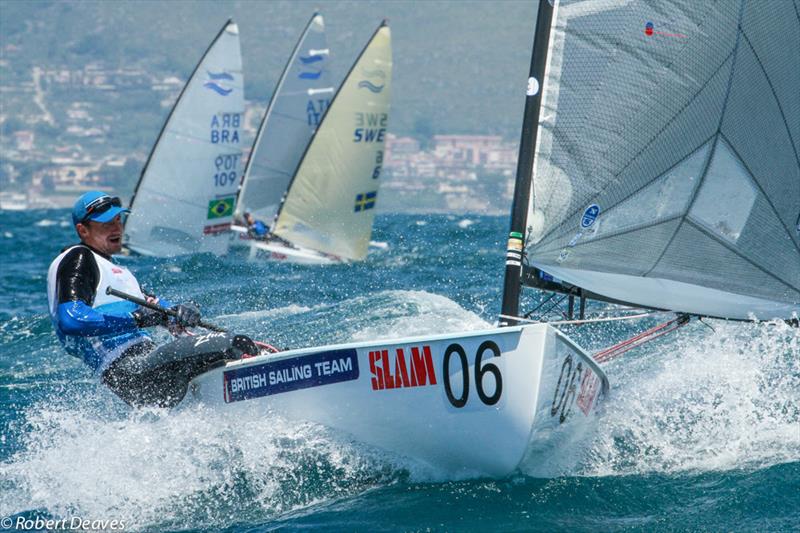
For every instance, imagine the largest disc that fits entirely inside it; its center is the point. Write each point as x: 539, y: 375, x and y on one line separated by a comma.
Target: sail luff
x: 525, y: 163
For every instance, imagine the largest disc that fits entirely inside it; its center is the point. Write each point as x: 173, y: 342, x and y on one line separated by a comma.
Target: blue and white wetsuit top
x: 91, y: 324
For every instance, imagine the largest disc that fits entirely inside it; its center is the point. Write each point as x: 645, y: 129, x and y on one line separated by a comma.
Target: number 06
x: 480, y: 372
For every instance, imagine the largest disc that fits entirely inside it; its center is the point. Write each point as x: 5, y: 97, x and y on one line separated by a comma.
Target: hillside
x: 460, y: 66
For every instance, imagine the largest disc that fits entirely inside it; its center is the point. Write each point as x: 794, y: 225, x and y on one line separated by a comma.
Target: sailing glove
x: 147, y: 318
x: 186, y: 315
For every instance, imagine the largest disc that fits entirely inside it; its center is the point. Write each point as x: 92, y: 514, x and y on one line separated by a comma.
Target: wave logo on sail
x: 365, y: 201
x: 217, y: 82
x: 314, y: 57
x: 370, y: 86
x: 364, y: 84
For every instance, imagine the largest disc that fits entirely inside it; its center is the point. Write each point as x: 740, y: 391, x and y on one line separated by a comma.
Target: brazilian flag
x: 221, y: 207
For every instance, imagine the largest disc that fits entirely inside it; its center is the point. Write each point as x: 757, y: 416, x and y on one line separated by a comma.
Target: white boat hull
x: 412, y: 397
x: 277, y: 251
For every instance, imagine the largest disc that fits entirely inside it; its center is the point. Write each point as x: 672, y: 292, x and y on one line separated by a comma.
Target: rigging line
x: 706, y: 324
x: 585, y: 320
x: 528, y: 314
x: 638, y: 340
x: 556, y: 304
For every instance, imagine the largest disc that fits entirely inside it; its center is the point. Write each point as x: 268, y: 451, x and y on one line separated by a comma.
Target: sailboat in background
x: 665, y: 174
x: 185, y: 197
x: 328, y: 200
x: 295, y: 110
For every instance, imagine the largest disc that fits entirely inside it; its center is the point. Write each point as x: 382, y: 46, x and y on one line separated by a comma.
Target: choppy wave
x: 708, y: 401
x: 692, y: 420
x: 184, y: 469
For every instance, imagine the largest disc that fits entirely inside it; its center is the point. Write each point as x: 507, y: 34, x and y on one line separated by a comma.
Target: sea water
x: 700, y: 432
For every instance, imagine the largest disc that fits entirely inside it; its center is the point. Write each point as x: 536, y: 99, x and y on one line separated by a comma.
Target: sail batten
x: 666, y: 150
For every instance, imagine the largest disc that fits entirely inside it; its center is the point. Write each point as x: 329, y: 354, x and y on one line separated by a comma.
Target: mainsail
x: 665, y: 168
x: 298, y: 104
x: 329, y: 206
x: 187, y: 190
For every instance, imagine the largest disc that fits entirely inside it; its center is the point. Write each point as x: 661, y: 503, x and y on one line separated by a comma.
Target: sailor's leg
x: 160, y: 376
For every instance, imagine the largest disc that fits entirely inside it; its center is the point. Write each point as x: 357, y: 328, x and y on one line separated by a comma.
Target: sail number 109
x: 481, y: 369
x: 226, y: 166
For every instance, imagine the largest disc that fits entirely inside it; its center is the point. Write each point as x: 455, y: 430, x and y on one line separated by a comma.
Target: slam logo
x: 219, y: 82
x: 312, y: 65
x: 396, y: 368
x: 375, y: 75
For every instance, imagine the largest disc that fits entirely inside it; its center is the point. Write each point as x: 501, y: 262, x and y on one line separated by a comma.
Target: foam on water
x: 702, y: 401
x: 190, y: 468
x: 44, y: 223
x: 464, y: 224
x: 396, y: 314
x: 266, y: 313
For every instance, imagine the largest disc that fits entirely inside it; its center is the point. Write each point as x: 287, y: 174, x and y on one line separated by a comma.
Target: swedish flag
x: 221, y: 207
x: 365, y: 201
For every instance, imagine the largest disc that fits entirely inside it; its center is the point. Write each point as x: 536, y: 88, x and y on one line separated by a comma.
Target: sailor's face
x: 103, y: 237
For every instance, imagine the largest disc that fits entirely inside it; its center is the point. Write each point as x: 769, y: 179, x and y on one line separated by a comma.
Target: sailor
x: 108, y: 332
x: 256, y: 228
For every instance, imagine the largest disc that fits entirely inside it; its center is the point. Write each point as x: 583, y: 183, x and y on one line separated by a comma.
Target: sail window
x: 727, y: 195
x: 666, y: 197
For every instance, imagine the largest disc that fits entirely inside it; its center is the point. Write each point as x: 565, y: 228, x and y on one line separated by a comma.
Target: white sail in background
x: 187, y: 191
x: 666, y: 168
x: 298, y: 104
x: 329, y: 206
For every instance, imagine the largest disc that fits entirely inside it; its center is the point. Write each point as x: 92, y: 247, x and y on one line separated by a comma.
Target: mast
x: 527, y: 143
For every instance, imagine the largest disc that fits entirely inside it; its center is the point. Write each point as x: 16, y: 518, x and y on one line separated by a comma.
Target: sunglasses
x: 100, y: 206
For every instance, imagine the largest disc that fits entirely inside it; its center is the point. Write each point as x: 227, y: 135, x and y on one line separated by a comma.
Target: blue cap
x: 97, y: 206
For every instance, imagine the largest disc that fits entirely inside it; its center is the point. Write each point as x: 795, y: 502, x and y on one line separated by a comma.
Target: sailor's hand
x: 186, y: 315
x: 147, y: 318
